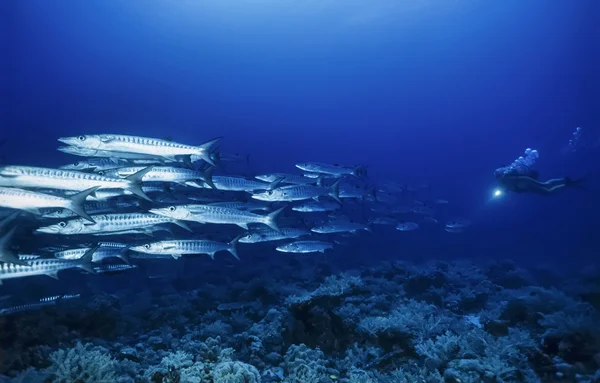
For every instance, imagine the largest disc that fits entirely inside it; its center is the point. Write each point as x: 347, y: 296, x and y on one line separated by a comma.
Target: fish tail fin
x: 77, y: 201
x: 135, y: 185
x: 271, y: 219
x: 335, y: 191
x: 233, y: 246
x: 6, y: 253
x: 85, y: 262
x: 205, y: 151
x: 207, y: 177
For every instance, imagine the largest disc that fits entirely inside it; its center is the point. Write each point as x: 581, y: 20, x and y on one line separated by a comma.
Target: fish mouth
x: 139, y: 249
x: 47, y: 230
x: 259, y: 197
x: 67, y: 140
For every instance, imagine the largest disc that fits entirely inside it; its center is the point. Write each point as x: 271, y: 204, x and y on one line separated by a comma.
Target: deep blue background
x: 438, y: 92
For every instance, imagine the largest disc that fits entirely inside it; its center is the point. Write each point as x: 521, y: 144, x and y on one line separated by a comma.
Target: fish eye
x: 270, y: 192
x: 62, y: 224
x: 76, y: 164
x: 171, y: 208
x: 101, y: 172
x: 81, y: 138
x: 147, y: 246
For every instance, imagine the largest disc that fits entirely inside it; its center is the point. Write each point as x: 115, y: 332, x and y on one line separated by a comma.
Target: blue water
x: 421, y: 92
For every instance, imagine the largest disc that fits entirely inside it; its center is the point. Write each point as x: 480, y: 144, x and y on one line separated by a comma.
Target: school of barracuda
x: 157, y: 199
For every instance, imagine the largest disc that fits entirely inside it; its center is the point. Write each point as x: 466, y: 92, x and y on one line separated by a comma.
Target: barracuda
x: 303, y: 247
x: 110, y: 224
x: 218, y: 215
x: 104, y: 251
x: 46, y: 266
x: 299, y: 193
x: 31, y: 177
x: 164, y: 174
x: 169, y: 150
x: 178, y: 248
x: 32, y: 202
x: 272, y: 235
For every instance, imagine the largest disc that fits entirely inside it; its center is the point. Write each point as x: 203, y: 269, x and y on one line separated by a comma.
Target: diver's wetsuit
x: 526, y: 184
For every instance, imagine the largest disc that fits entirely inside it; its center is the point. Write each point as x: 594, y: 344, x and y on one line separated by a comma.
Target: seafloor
x: 295, y: 319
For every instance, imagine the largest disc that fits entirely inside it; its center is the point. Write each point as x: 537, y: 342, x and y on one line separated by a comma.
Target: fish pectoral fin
x: 243, y: 225
x: 176, y: 256
x: 52, y: 274
x: 212, y: 256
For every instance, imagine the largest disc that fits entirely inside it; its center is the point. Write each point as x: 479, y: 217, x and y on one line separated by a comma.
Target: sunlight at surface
x: 306, y: 13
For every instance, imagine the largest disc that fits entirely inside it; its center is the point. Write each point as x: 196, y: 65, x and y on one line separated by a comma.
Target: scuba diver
x: 519, y: 178
x: 529, y: 183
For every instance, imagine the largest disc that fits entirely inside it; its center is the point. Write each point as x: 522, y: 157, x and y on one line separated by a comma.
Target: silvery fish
x: 294, y: 179
x: 110, y: 224
x: 407, y: 226
x: 30, y: 177
x: 218, y: 215
x: 310, y: 207
x: 94, y: 207
x: 32, y: 202
x: 239, y: 184
x: 163, y: 174
x: 340, y: 226
x: 45, y: 266
x: 94, y: 153
x: 257, y: 236
x: 104, y: 251
x: 109, y: 269
x: 332, y: 169
x: 178, y: 248
x: 299, y: 193
x: 303, y: 247
x: 96, y: 164
x: 169, y: 150
x: 249, y: 206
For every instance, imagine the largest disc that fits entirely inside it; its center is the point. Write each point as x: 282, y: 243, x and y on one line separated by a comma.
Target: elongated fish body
x: 32, y: 177
x: 45, y: 266
x: 177, y: 248
x: 241, y: 184
x: 107, y: 154
x: 93, y: 207
x: 407, y: 226
x: 96, y: 164
x: 109, y: 269
x: 32, y: 201
x: 339, y: 227
x: 294, y: 179
x: 298, y: 193
x: 158, y: 173
x: 248, y: 206
x: 310, y: 207
x: 218, y: 215
x: 110, y: 250
x: 272, y: 235
x: 109, y: 223
x: 142, y: 145
x: 303, y: 247
x: 330, y: 169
